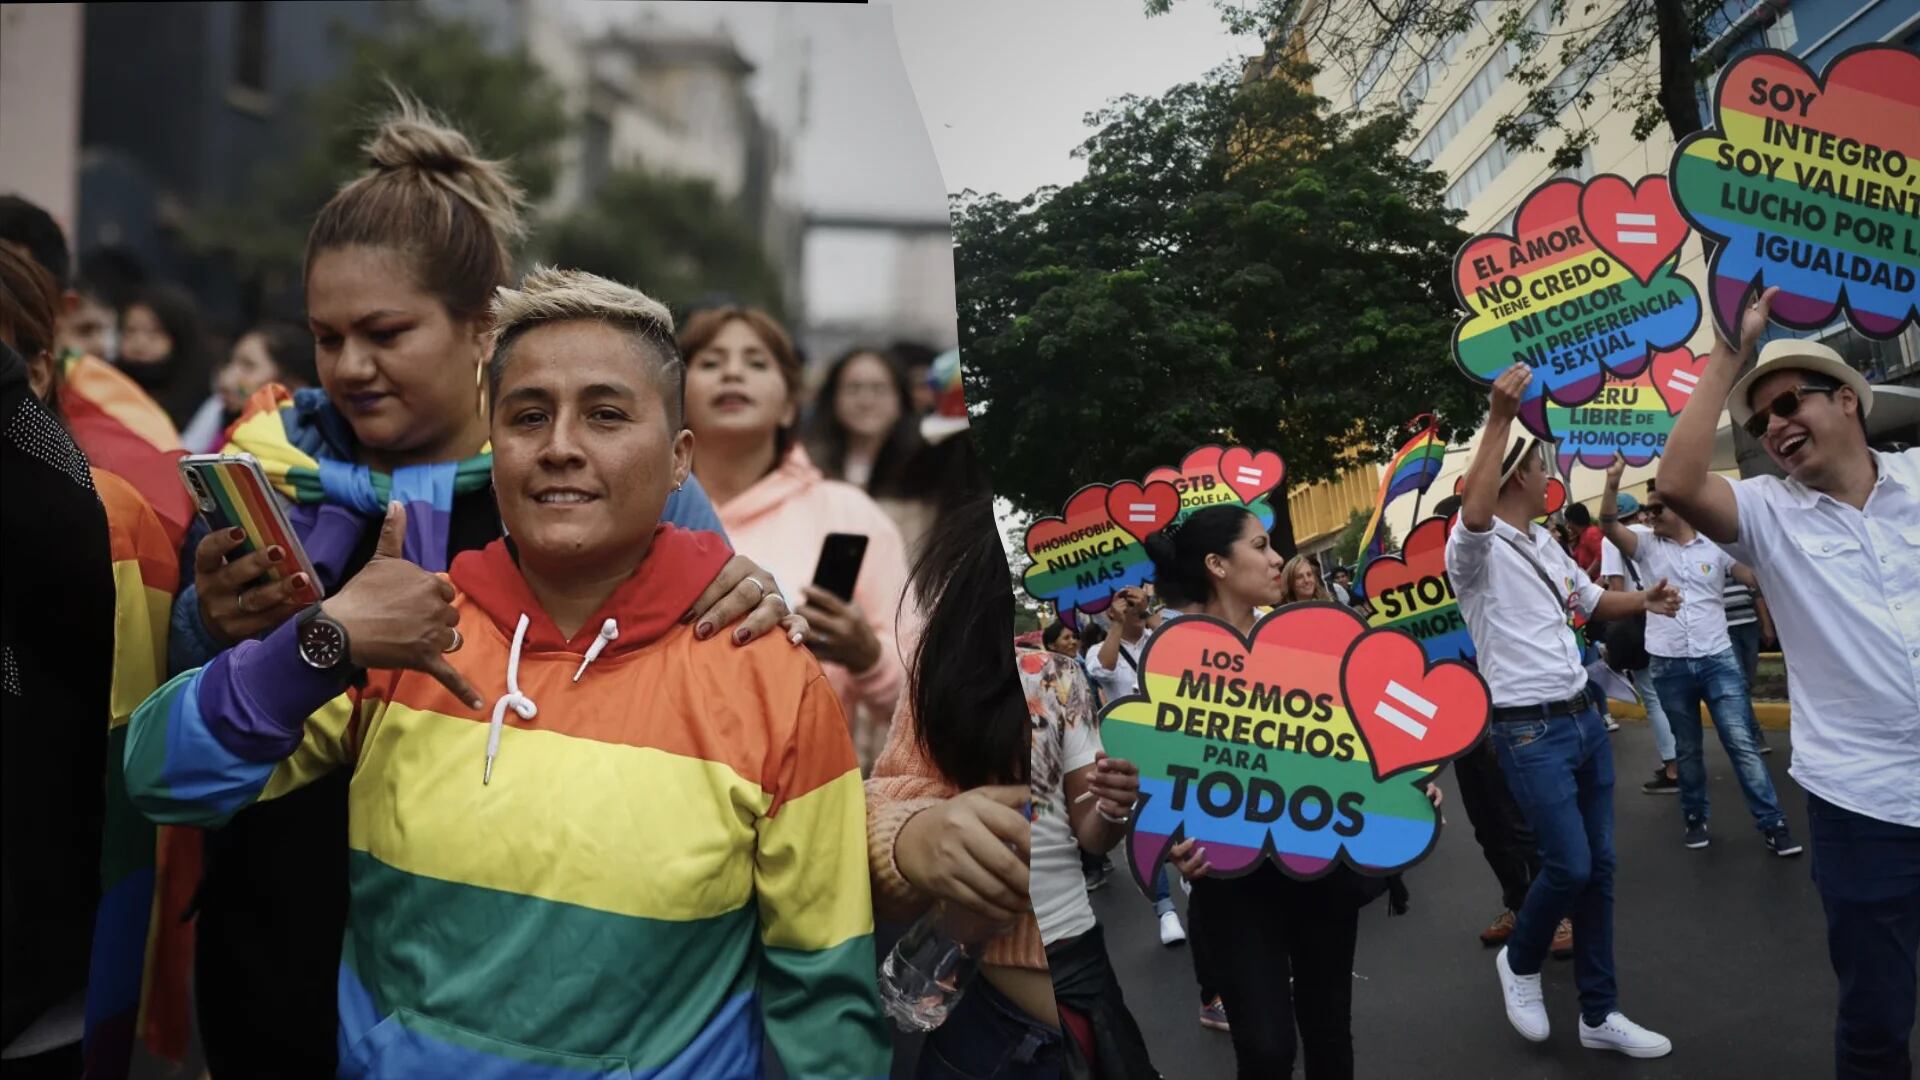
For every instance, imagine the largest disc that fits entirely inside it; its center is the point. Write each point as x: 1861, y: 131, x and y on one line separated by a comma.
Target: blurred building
x: 1457, y: 88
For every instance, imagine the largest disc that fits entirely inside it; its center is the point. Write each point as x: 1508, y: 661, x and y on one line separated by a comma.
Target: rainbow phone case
x: 231, y: 492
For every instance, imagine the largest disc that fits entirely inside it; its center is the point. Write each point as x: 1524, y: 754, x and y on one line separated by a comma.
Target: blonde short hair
x: 550, y: 295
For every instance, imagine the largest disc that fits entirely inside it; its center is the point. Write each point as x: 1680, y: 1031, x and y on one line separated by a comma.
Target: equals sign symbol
x: 1140, y: 513
x: 1682, y: 382
x: 1636, y: 223
x: 1387, y: 711
x: 1248, y: 475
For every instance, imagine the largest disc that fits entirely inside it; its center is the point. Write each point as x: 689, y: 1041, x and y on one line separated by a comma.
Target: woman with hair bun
x: 401, y: 267
x: 1281, y: 950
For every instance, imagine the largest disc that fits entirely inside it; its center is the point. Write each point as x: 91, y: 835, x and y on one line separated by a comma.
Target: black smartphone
x: 840, y: 558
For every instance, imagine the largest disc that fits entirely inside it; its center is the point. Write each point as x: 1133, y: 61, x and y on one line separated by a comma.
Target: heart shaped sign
x: 1142, y: 510
x: 1082, y: 557
x: 1675, y: 373
x: 1411, y: 592
x: 1250, y: 745
x: 1409, y: 711
x: 1251, y: 475
x: 1637, y: 224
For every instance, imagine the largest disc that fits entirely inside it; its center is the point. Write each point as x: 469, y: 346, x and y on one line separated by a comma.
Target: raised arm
x: 1704, y: 500
x: 1622, y: 537
x: 1481, y: 488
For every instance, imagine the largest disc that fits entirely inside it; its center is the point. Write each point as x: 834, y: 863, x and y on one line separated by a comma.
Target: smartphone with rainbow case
x: 230, y: 491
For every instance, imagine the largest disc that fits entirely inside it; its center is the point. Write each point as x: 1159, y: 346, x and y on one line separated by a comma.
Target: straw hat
x: 1797, y: 354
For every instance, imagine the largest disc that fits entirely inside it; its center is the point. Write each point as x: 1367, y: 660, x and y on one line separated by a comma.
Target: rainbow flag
x: 1414, y: 468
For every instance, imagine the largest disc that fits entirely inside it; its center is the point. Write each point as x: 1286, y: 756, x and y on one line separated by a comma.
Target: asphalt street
x: 1722, y: 949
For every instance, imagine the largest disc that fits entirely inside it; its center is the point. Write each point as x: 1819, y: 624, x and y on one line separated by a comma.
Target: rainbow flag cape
x: 137, y: 988
x: 1414, y: 468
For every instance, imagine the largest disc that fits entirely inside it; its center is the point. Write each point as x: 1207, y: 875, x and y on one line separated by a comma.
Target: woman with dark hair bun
x: 1280, y: 949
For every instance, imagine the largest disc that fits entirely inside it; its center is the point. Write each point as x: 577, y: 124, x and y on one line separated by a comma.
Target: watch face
x: 322, y: 644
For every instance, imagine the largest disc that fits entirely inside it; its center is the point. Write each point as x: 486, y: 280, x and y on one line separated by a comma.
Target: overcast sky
x: 1003, y: 85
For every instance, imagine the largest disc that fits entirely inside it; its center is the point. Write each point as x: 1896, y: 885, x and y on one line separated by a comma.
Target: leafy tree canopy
x: 1236, y: 265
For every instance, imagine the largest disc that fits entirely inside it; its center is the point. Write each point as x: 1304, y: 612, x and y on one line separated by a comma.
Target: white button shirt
x: 1525, y: 649
x: 1122, y: 678
x: 1699, y: 569
x: 1844, y: 586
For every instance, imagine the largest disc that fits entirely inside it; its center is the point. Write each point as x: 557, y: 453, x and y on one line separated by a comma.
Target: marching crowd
x: 577, y: 765
x: 1678, y: 591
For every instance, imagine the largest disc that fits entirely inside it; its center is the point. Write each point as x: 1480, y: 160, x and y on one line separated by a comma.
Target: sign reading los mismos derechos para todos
x: 1585, y: 287
x: 1811, y: 184
x: 1095, y: 546
x: 1308, y: 743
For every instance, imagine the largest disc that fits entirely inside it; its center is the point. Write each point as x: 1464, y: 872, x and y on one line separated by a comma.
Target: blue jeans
x: 1162, y: 895
x: 1746, y: 649
x: 1560, y: 771
x: 1656, y: 714
x: 1716, y: 679
x: 987, y: 1036
x: 1868, y: 874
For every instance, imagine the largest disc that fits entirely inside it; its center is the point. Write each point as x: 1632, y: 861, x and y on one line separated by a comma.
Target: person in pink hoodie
x: 743, y: 389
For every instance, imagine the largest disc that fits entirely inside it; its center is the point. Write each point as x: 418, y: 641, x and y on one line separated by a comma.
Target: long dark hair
x: 827, y: 437
x: 969, y: 709
x: 1179, y: 552
x: 184, y: 380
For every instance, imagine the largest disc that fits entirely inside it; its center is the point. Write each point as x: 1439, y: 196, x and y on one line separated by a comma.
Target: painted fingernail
x: 299, y: 581
x: 274, y: 555
x: 703, y: 631
x: 740, y: 636
x: 687, y: 617
x: 794, y: 637
x: 236, y: 534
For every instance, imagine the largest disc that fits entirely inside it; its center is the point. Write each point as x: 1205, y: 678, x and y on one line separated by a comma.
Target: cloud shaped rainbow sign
x: 1811, y: 184
x: 1587, y: 284
x: 1307, y: 743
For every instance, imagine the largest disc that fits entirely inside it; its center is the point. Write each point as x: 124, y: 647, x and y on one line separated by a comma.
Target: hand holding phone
x: 250, y: 571
x: 838, y: 632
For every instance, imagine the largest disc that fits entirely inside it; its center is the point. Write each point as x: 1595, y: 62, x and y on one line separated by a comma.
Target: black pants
x: 1499, y: 827
x: 1259, y: 930
x: 1085, y: 984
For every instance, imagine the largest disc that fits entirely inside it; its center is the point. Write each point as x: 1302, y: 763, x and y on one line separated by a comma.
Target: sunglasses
x: 1783, y: 406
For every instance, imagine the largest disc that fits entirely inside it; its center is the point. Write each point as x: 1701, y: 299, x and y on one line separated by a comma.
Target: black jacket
x: 58, y: 608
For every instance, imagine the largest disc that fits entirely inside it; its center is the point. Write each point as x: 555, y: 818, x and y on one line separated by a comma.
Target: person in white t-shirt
x: 1613, y: 576
x: 1082, y: 801
x: 1515, y: 585
x: 1693, y: 661
x: 1836, y: 546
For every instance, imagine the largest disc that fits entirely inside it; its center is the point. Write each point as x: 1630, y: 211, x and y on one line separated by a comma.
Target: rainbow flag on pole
x: 1414, y: 468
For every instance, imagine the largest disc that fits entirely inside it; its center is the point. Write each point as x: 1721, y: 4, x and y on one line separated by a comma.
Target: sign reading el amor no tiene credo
x: 1093, y: 547
x: 1307, y: 744
x: 1812, y: 185
x: 1588, y: 283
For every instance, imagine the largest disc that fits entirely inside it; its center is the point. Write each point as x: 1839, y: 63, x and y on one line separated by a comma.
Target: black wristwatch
x: 323, y: 641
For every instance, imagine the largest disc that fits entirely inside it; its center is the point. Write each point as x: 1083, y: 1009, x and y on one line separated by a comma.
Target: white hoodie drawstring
x: 512, y: 699
x: 609, y: 630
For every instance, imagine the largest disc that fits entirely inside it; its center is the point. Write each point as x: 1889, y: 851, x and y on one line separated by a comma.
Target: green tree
x: 504, y: 102
x: 676, y: 238
x: 1346, y: 543
x: 1237, y: 265
x: 1645, y: 59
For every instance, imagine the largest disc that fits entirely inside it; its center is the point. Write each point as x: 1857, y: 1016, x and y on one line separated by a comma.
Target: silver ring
x: 240, y: 602
x: 755, y: 582
x: 457, y: 642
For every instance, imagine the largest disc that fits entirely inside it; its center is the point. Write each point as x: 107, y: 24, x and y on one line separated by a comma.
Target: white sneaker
x: 1171, y: 932
x: 1617, y: 1032
x: 1525, y: 1009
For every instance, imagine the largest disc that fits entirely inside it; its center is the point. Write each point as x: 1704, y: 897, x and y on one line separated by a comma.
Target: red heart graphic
x: 1251, y: 475
x: 1085, y: 509
x: 1203, y: 461
x: 1141, y: 511
x: 1424, y: 555
x: 1675, y: 372
x: 1638, y: 225
x: 1410, y: 713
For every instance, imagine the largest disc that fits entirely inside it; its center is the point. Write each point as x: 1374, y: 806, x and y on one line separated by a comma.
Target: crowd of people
x: 502, y: 799
x: 1676, y: 593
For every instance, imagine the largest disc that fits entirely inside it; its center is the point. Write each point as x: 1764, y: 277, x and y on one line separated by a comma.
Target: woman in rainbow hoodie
x: 648, y: 850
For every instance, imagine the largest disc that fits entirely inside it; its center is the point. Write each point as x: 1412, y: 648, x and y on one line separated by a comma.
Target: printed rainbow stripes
x: 1414, y: 467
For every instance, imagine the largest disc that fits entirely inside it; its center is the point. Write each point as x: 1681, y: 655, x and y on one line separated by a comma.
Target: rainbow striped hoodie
x: 668, y: 862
